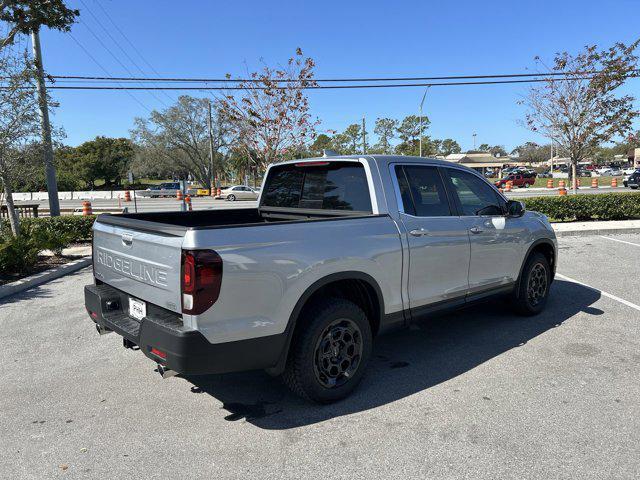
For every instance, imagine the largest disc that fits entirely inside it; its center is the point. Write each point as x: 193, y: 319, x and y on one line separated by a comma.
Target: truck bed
x: 177, y: 223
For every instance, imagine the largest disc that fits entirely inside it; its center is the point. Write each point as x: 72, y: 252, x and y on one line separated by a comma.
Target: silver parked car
x: 239, y: 192
x: 337, y: 251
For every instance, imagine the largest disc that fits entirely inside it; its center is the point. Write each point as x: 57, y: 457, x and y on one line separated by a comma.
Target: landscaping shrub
x: 602, y: 206
x: 19, y: 255
x: 74, y: 228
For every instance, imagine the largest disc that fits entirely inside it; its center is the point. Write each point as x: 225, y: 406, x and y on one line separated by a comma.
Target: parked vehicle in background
x: 239, y: 192
x: 632, y: 181
x: 338, y: 250
x: 167, y: 189
x: 520, y: 180
x: 545, y: 174
x: 615, y: 172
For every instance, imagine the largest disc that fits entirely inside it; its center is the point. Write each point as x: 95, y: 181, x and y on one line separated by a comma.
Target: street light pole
x: 45, y: 127
x: 474, y: 140
x: 422, y: 103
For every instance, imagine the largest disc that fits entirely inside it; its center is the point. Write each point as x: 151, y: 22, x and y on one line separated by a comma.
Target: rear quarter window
x: 331, y: 186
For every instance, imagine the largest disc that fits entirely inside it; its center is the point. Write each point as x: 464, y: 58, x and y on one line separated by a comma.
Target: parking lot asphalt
x: 477, y: 394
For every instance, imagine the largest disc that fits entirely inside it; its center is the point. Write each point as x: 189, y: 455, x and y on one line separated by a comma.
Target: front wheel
x: 330, y: 351
x: 533, y: 290
x: 231, y: 198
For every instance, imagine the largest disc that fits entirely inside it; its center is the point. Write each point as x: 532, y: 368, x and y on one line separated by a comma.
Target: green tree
x: 179, y: 135
x: 409, y: 128
x: 103, y: 158
x: 385, y: 129
x: 449, y: 146
x: 26, y: 16
x: 322, y: 142
x: 580, y: 112
x: 354, y: 135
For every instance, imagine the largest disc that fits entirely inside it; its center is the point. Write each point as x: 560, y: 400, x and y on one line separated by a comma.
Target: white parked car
x: 239, y: 192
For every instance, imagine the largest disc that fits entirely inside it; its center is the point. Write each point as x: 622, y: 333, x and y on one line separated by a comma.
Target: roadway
x: 202, y: 203
x: 480, y: 394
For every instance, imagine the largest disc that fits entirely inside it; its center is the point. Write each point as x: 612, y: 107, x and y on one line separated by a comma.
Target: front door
x: 496, y: 240
x: 437, y: 238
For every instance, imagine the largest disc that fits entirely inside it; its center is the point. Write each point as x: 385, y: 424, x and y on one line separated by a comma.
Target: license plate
x: 137, y: 308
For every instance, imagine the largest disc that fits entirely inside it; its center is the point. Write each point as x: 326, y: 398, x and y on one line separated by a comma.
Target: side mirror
x: 515, y: 208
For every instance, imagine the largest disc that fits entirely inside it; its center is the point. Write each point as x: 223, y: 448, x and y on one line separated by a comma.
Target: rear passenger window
x: 330, y: 186
x: 422, y: 191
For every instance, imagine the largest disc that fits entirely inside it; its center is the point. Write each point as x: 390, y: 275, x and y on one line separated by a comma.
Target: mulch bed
x: 44, y: 263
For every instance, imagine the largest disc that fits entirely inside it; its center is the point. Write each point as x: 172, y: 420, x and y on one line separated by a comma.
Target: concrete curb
x: 596, y: 231
x: 43, y: 277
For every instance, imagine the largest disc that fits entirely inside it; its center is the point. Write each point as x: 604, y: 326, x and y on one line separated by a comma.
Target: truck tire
x: 533, y: 290
x: 329, y: 355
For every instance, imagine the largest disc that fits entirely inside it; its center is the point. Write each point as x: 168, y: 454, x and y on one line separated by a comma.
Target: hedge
x: 20, y: 255
x: 601, y: 206
x: 75, y: 228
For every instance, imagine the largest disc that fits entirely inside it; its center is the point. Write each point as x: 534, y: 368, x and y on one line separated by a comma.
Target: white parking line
x: 621, y: 241
x: 601, y: 292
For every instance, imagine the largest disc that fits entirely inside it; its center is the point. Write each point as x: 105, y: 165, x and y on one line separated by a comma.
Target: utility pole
x: 364, y: 138
x: 421, y: 103
x: 211, y: 171
x: 45, y: 127
x: 474, y: 140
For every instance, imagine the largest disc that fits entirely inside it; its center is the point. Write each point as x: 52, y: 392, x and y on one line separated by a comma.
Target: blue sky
x: 346, y: 39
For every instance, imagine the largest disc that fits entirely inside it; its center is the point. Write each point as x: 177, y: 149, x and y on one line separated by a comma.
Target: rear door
x: 496, y: 240
x: 143, y: 264
x: 438, y: 241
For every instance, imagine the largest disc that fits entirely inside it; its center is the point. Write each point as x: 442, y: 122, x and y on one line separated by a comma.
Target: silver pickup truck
x: 338, y: 250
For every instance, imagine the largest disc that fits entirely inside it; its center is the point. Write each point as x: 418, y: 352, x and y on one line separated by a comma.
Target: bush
x: 603, y: 206
x: 19, y: 255
x: 74, y: 228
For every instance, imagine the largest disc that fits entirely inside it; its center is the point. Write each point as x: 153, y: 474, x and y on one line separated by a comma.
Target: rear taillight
x: 201, y: 280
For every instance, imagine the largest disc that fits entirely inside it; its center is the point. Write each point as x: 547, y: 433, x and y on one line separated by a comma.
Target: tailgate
x: 144, y: 264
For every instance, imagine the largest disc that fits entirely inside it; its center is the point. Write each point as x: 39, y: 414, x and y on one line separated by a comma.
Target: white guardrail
x: 86, y: 195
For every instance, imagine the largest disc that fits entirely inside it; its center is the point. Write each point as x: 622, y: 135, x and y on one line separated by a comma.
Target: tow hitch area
x: 129, y: 344
x: 166, y: 372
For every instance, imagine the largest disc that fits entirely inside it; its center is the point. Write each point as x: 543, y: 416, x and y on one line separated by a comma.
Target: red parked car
x: 519, y: 180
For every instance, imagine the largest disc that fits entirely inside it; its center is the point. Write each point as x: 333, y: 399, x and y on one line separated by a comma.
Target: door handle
x: 475, y: 229
x: 419, y: 232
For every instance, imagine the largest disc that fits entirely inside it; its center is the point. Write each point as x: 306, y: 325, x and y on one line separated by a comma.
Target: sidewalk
x: 596, y: 228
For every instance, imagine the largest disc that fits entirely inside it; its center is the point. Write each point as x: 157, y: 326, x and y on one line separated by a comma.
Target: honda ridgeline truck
x: 337, y: 251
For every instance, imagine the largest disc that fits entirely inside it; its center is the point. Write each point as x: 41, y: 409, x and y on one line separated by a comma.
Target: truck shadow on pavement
x: 402, y: 363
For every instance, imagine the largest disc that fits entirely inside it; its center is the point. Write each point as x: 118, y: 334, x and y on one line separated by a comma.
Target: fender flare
x: 279, y: 367
x: 535, y: 244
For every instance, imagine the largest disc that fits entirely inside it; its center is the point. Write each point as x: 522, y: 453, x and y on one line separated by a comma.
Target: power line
x: 108, y: 49
x: 327, y: 80
x: 321, y: 87
x: 124, y: 51
x: 103, y: 69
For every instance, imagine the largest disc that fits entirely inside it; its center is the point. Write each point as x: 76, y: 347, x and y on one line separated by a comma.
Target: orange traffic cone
x: 187, y: 200
x: 550, y: 183
x: 594, y: 183
x: 614, y: 182
x: 562, y: 184
x: 179, y: 195
x: 562, y: 191
x: 86, y: 208
x: 508, y: 186
x: 219, y: 192
x: 127, y: 196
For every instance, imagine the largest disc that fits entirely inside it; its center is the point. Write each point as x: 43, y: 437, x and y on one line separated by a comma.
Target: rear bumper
x: 186, y: 351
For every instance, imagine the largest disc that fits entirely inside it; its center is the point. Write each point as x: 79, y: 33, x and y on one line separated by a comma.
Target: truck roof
x: 378, y: 159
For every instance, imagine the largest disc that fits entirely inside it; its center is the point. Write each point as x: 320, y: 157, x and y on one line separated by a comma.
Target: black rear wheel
x: 329, y: 352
